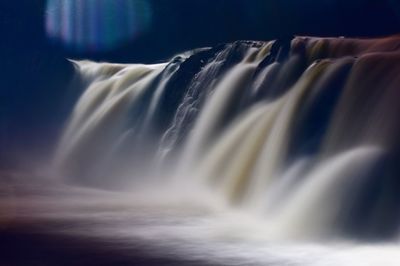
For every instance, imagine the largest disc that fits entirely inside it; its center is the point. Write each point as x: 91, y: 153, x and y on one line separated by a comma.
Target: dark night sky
x: 34, y: 69
x: 185, y: 24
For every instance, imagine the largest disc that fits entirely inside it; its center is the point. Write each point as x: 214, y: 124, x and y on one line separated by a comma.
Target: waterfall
x: 303, y: 132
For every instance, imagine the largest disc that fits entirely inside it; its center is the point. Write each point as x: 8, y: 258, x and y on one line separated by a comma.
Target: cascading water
x: 300, y: 133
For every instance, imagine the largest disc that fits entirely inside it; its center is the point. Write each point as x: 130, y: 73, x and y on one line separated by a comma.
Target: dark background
x: 185, y: 24
x: 35, y: 74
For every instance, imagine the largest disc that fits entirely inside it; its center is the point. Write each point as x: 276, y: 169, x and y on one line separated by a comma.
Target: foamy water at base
x: 185, y: 227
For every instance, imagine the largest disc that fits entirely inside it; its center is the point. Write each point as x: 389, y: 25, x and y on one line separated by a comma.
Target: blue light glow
x: 96, y: 25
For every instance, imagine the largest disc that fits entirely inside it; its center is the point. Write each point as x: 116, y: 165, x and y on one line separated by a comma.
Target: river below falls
x: 178, y: 230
